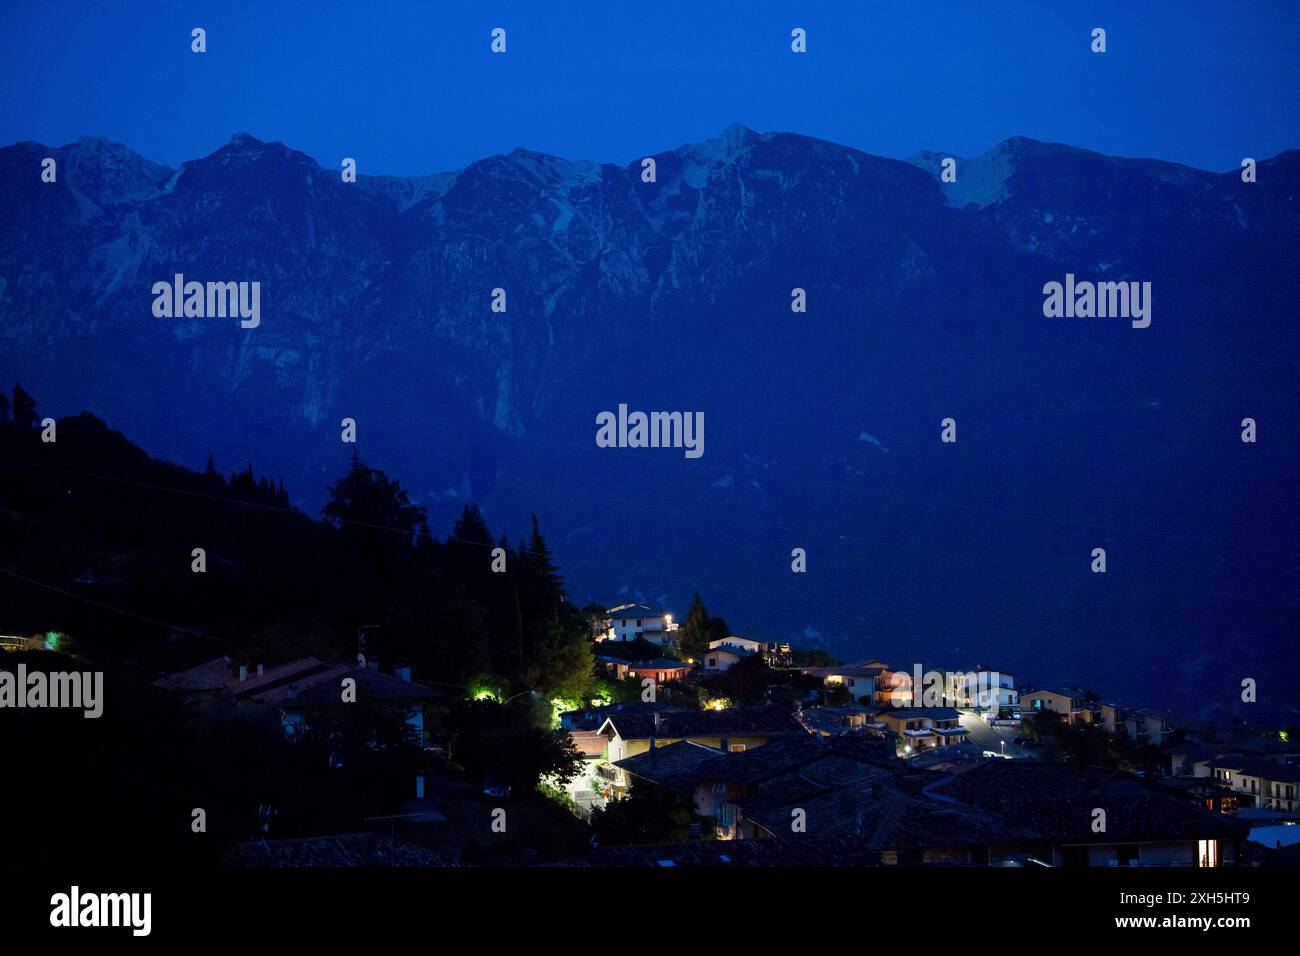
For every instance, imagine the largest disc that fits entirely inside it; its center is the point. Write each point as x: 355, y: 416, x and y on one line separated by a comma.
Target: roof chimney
x: 403, y: 672
x: 243, y: 673
x: 259, y: 670
x: 373, y: 664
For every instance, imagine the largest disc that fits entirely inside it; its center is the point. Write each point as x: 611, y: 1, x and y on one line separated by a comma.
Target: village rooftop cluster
x: 750, y: 752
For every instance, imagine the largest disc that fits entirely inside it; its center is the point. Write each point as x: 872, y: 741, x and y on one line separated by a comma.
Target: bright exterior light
x: 52, y: 639
x: 718, y: 703
x: 561, y: 706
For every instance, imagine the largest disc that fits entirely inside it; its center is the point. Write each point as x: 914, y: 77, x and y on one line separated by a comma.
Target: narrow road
x: 991, y: 738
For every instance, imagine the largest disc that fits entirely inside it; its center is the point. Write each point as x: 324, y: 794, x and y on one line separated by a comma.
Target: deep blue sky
x: 412, y: 88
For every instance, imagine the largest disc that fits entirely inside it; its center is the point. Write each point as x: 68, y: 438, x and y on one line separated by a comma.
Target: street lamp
x: 520, y: 694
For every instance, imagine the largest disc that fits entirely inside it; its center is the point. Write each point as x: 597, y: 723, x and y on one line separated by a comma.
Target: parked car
x: 496, y: 786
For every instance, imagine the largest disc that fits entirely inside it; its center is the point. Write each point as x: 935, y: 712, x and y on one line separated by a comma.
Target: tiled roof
x: 637, y: 610
x: 591, y: 718
x: 741, y: 721
x: 211, y: 675
x: 371, y: 686
x: 1195, y: 752
x: 759, y: 763
x: 589, y: 743
x: 1057, y: 801
x: 287, y: 685
x: 837, y: 720
x: 1267, y: 769
x: 222, y: 676
x: 916, y: 713
x: 886, y: 819
x: 829, y: 772
x: 675, y: 765
x: 348, y: 849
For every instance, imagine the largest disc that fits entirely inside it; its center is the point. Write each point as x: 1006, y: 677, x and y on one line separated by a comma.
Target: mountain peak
x: 739, y: 135
x: 735, y: 139
x: 99, y: 143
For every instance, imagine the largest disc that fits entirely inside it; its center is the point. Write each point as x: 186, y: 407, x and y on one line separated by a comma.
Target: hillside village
x: 736, y: 751
x: 350, y: 690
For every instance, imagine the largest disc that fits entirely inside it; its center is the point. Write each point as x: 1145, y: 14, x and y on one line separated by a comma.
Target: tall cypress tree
x: 695, y: 632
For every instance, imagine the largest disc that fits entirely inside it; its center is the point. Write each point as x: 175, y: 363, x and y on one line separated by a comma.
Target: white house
x: 860, y: 680
x: 724, y: 658
x: 1273, y: 785
x: 991, y: 690
x: 738, y: 643
x: 627, y: 622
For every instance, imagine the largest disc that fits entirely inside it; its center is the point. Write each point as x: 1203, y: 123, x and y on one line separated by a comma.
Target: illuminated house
x: 924, y: 727
x: 662, y: 670
x: 728, y: 731
x: 724, y: 658
x: 860, y: 680
x: 991, y: 691
x: 627, y: 622
x: 1071, y: 707
x: 1270, y: 784
x: 743, y: 644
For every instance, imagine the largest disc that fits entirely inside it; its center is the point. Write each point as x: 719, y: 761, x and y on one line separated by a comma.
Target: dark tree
x: 367, y: 498
x: 695, y: 633
x: 649, y: 815
x: 24, y: 408
x: 492, y: 738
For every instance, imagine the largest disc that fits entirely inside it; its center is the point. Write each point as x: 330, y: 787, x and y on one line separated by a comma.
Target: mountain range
x: 924, y: 302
